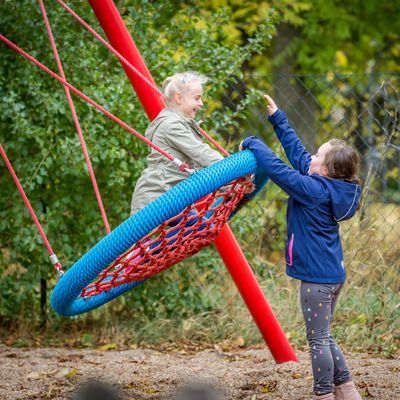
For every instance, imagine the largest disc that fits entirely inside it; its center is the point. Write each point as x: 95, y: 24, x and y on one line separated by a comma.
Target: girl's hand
x: 271, y: 107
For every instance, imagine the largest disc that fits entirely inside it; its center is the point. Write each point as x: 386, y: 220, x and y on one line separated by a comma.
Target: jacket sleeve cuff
x: 277, y: 117
x: 246, y: 142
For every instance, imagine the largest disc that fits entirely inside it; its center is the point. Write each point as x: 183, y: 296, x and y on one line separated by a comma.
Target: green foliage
x: 40, y: 139
x: 356, y: 36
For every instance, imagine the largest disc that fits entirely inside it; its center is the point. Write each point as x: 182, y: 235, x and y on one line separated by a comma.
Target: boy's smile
x: 191, y: 100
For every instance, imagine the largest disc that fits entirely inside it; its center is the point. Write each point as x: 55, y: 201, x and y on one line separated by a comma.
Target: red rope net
x: 174, y: 240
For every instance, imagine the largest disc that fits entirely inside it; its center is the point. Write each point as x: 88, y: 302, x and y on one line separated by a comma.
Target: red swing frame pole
x: 227, y: 246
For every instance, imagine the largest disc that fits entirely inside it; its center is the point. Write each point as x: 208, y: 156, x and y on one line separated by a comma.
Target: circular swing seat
x: 176, y: 225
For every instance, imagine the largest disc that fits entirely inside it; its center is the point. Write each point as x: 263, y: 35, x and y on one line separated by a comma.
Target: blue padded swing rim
x: 65, y: 296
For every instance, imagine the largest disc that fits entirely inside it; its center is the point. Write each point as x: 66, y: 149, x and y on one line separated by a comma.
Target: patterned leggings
x: 318, y: 302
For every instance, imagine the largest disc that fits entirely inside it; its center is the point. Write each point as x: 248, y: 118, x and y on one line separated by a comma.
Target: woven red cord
x: 216, y: 144
x: 132, y: 68
x: 75, y: 118
x: 57, y: 266
x: 168, y: 245
x: 87, y: 98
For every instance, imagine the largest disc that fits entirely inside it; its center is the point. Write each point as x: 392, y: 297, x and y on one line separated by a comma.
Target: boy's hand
x: 271, y: 107
x: 249, y: 180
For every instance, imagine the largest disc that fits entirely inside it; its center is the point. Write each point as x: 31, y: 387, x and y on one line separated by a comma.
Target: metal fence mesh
x: 362, y: 108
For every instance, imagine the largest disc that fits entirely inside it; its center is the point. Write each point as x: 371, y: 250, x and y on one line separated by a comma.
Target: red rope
x: 183, y: 166
x: 111, y: 48
x: 216, y: 144
x: 130, y: 66
x: 53, y: 257
x: 75, y: 118
x: 167, y: 245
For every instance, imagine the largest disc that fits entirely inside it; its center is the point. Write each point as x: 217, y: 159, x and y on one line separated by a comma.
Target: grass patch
x: 196, y: 302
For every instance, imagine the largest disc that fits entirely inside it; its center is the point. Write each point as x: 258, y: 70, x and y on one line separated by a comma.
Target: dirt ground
x: 54, y: 373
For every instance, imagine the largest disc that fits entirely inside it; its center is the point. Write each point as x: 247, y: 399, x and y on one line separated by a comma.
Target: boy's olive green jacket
x: 180, y: 137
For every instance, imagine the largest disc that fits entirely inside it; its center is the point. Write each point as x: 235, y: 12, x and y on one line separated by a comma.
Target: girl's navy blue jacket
x: 316, y: 204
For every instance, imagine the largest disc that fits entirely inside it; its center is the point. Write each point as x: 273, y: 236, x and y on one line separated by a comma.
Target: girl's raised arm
x: 304, y: 189
x: 295, y: 151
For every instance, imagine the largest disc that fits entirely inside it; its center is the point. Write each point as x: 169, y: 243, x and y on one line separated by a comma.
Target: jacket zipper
x: 290, y: 249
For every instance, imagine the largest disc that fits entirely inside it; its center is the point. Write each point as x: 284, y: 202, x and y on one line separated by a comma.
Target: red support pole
x: 253, y: 296
x: 120, y: 38
x: 230, y: 251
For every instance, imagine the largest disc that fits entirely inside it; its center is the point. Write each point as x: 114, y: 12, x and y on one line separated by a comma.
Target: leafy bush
x: 40, y: 139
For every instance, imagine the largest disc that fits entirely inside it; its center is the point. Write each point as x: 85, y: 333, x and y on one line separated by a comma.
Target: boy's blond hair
x: 179, y: 83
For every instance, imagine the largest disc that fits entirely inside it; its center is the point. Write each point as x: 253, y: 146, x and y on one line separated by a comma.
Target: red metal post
x: 253, y: 296
x: 233, y: 257
x: 120, y: 38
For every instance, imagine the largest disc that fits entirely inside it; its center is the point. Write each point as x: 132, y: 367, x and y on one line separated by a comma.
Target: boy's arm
x: 298, y: 156
x: 304, y: 189
x: 182, y: 139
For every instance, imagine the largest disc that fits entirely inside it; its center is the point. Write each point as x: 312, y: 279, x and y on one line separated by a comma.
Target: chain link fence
x: 362, y: 108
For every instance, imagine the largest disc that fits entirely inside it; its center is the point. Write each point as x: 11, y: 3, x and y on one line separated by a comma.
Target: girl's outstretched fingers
x: 271, y: 107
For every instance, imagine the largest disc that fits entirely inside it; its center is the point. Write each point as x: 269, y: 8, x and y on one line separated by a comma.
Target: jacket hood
x: 345, y: 197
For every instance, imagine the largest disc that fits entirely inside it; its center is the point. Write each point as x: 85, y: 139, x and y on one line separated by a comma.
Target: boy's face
x: 190, y: 101
x: 317, y: 160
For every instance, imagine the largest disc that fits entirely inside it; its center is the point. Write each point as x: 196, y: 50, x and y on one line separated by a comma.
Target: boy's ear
x: 178, y: 98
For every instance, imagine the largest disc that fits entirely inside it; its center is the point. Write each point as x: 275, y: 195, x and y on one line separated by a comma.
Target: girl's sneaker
x: 347, y: 391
